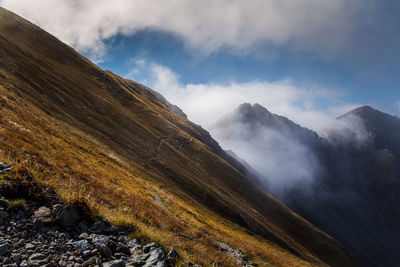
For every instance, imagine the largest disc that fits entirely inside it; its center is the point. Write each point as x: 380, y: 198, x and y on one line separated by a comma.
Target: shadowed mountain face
x: 113, y: 143
x: 346, y: 183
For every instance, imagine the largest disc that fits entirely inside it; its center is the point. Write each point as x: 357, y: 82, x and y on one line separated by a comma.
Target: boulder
x: 69, y: 216
x: 150, y: 246
x: 133, y: 243
x: 44, y: 214
x: 156, y: 257
x: 105, y: 251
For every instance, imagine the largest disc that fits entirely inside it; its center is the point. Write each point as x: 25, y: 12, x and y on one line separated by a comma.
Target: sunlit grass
x: 81, y: 170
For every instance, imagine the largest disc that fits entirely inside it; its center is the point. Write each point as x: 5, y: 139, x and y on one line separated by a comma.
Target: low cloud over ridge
x: 205, y: 103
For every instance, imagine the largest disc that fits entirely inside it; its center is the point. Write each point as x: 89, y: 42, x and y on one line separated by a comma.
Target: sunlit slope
x: 98, y: 138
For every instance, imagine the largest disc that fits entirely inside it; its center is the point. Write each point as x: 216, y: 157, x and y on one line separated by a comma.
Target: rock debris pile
x: 41, y: 233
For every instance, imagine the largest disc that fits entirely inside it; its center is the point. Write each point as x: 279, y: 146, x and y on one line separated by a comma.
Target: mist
x: 282, y: 159
x: 285, y: 155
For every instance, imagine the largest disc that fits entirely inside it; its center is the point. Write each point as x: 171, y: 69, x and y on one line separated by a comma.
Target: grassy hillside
x: 113, y: 144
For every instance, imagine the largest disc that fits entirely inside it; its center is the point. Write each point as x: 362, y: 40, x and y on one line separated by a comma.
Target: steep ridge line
x: 63, y: 90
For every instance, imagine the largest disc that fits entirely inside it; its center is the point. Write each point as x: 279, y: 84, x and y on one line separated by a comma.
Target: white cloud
x: 323, y: 26
x: 397, y: 104
x: 205, y: 103
x: 265, y: 149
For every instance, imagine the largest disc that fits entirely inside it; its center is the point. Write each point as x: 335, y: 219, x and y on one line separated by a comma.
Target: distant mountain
x: 384, y: 129
x: 134, y: 158
x: 352, y: 190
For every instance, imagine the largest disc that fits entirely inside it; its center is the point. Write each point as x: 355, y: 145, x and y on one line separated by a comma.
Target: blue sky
x: 309, y: 60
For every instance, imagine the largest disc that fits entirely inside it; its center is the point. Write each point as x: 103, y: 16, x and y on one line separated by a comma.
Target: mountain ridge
x: 353, y: 197
x: 111, y: 143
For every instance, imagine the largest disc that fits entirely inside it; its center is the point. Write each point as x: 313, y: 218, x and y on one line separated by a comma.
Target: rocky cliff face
x: 354, y: 181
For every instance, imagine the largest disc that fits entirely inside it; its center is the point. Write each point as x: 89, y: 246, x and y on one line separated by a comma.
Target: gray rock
x: 38, y: 224
x: 99, y: 227
x: 84, y: 236
x: 37, y: 259
x: 105, y: 251
x: 114, y: 263
x: 173, y: 255
x: 29, y: 246
x: 91, y: 262
x: 149, y: 246
x: 156, y: 255
x: 157, y: 264
x: 98, y: 240
x: 17, y: 258
x: 82, y: 227
x: 81, y: 244
x: 44, y: 214
x: 4, y: 249
x: 132, y: 243
x: 139, y: 259
x: 56, y: 209
x: 4, y: 166
x: 69, y: 216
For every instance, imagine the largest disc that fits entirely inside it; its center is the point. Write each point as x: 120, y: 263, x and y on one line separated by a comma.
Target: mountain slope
x: 116, y: 145
x: 353, y: 189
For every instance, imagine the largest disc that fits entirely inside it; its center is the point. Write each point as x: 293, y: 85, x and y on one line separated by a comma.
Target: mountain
x: 133, y: 158
x: 352, y: 185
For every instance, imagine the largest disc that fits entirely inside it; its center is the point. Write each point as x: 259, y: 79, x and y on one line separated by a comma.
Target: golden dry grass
x: 82, y: 171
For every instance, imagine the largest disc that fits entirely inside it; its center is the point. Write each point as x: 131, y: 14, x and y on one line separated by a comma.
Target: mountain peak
x: 382, y: 126
x: 363, y: 111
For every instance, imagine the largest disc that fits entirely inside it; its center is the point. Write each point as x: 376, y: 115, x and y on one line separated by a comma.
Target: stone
x: 105, y: 251
x: 56, y: 209
x: 37, y: 259
x: 84, y: 236
x: 98, y: 240
x: 99, y: 227
x: 82, y: 227
x: 81, y: 244
x: 16, y: 258
x: 90, y: 262
x: 132, y: 243
x: 38, y: 224
x: 4, y: 166
x: 4, y: 249
x: 138, y: 260
x: 173, y: 255
x: 156, y: 255
x: 122, y: 239
x: 149, y: 246
x: 44, y: 214
x: 69, y: 216
x: 114, y: 263
x: 122, y: 248
x: 29, y: 246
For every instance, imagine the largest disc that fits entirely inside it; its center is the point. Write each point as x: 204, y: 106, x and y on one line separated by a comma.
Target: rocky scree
x: 37, y: 229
